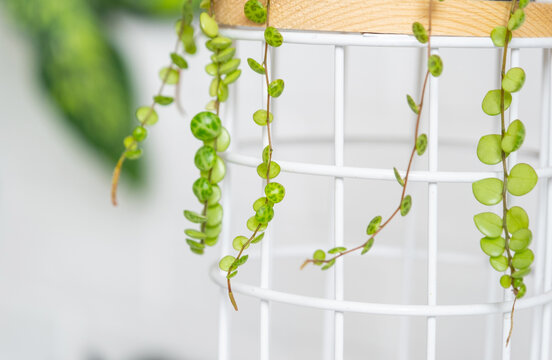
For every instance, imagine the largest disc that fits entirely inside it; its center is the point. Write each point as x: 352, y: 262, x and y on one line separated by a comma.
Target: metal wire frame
x: 542, y: 302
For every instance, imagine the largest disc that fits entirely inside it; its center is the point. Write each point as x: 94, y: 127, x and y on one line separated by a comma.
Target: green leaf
x: 523, y: 3
x: 266, y: 151
x: 206, y: 126
x: 226, y: 262
x: 265, y: 214
x: 275, y: 192
x: 521, y: 239
x: 195, y: 234
x: 435, y: 65
x: 146, y: 115
x: 139, y: 133
x: 336, y: 250
x: 239, y: 242
x: 255, y: 66
x: 214, y: 214
x: 276, y: 88
x: 202, y: 189
x: 223, y: 56
x: 493, y: 246
x: 421, y: 144
x: 522, y: 179
x: 374, y: 225
x: 273, y: 37
x: 260, y: 202
x: 218, y: 172
x: 213, y: 199
x: 163, y: 100
x: 420, y: 32
x: 242, y: 260
x: 212, y: 69
x: 205, y: 158
x: 260, y: 117
x: 520, y: 274
x: 179, y: 61
x: 505, y: 281
x: 489, y: 150
x: 232, y: 274
x: 499, y: 263
x: 253, y: 224
x: 513, y: 80
x: 195, y: 245
x: 412, y: 104
x: 498, y: 36
x: 523, y: 259
x: 318, y: 256
x: 169, y: 75
x: 516, y: 20
x: 258, y: 238
x: 255, y: 11
x: 516, y: 219
x: 194, y: 217
x: 211, y: 241
x: 367, y: 246
x: 214, y: 231
x: 491, y: 102
x: 329, y: 264
x: 229, y: 66
x: 231, y: 77
x: 274, y: 170
x: 406, y: 204
x: 208, y: 25
x: 133, y: 154
x: 488, y: 191
x: 398, y: 177
x: 219, y: 43
x: 489, y: 224
x: 513, y: 139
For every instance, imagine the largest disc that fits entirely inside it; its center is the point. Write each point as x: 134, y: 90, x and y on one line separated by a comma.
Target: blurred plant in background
x: 81, y: 70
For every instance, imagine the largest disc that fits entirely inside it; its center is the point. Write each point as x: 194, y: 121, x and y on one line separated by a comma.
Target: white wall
x: 78, y: 276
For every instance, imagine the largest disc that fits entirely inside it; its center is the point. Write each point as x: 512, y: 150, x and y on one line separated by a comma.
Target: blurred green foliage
x: 81, y: 70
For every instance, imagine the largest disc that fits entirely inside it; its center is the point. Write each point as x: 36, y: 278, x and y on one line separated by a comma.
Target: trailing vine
x: 434, y: 68
x: 170, y: 75
x: 510, y: 233
x: 268, y: 169
x: 206, y: 126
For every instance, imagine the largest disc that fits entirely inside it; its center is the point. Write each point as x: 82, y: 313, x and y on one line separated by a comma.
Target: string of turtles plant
x: 507, y: 238
x: 170, y: 75
x: 326, y: 259
x: 274, y: 192
x: 206, y: 126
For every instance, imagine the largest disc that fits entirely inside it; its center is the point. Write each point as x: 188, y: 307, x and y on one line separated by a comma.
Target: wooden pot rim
x: 450, y: 17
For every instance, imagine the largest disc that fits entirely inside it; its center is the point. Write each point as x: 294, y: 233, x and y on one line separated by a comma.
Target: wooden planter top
x: 451, y: 17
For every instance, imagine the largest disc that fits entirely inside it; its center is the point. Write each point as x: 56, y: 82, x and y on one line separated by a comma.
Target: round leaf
x: 513, y: 80
x: 523, y: 259
x: 513, y: 139
x: 488, y: 191
x: 273, y: 37
x: 276, y: 87
x: 435, y: 65
x: 493, y: 246
x: 420, y: 32
x: 522, y: 179
x: 208, y: 25
x: 255, y: 66
x: 521, y: 239
x: 516, y: 20
x: 499, y: 263
x: 406, y: 204
x: 498, y: 36
x: 489, y: 224
x: 516, y: 219
x: 491, y: 102
x: 489, y: 150
x: 226, y: 262
x: 255, y: 11
x: 146, y: 115
x: 194, y: 217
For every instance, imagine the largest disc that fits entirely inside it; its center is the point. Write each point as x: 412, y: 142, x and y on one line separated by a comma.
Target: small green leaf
x: 223, y: 140
x: 147, y: 116
x: 276, y: 88
x: 211, y: 241
x: 202, y: 189
x: 258, y: 238
x: 491, y: 102
x: 493, y: 246
x: 420, y: 32
x: 215, y: 197
x: 398, y: 177
x: 273, y: 37
x: 219, y: 43
x: 523, y: 259
x: 239, y: 242
x: 255, y: 66
x: 513, y: 80
x: 133, y: 154
x: 242, y: 260
x: 513, y: 139
x: 516, y: 219
x: 318, y: 256
x: 253, y: 224
x: 195, y: 234
x: 412, y: 104
x: 406, y: 204
x: 205, y: 158
x: 232, y: 274
x: 336, y: 250
x: 195, y: 244
x: 489, y: 224
x: 223, y: 55
x: 488, y: 191
x: 499, y: 263
x: 255, y: 11
x: 421, y: 144
x: 260, y: 117
x: 374, y: 225
x: 214, y: 214
x: 498, y: 36
x: 194, y: 217
x: 226, y: 262
x: 139, y: 133
x: 163, y: 100
x: 266, y: 151
x: 521, y: 239
x: 522, y: 179
x: 516, y: 20
x: 275, y: 192
x: 231, y: 77
x: 169, y: 75
x: 489, y: 150
x: 523, y: 3
x: 208, y: 25
x: 218, y: 172
x: 206, y: 126
x: 274, y: 170
x: 367, y: 246
x: 229, y: 66
x: 212, y: 69
x: 520, y: 274
x: 505, y: 281
x: 260, y: 202
x: 179, y: 61
x: 265, y: 214
x: 130, y: 143
x: 328, y: 265
x: 435, y: 65
x: 214, y: 231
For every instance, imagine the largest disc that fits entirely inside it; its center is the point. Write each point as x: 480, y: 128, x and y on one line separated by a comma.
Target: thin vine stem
x: 409, y: 167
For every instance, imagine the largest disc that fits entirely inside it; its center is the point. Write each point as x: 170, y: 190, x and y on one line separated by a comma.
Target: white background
x: 79, y: 277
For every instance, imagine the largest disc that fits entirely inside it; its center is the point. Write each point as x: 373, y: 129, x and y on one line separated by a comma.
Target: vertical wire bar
x: 547, y: 313
x: 508, y: 296
x: 339, y: 119
x: 540, y: 245
x: 433, y: 150
x: 266, y: 243
x: 230, y: 112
